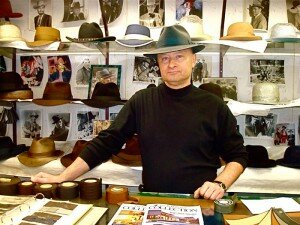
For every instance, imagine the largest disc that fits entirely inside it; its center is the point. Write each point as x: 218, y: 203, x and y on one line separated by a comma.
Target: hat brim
x: 133, y: 42
x: 83, y: 40
x: 38, y: 43
x: 38, y: 161
x: 44, y: 102
x: 20, y: 94
x: 97, y: 103
x: 241, y: 38
x: 12, y: 15
x: 282, y: 162
x: 11, y: 39
x: 195, y: 48
x: 292, y: 40
x: 267, y: 164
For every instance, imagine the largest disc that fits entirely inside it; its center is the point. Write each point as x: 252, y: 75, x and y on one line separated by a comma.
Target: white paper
x: 262, y: 205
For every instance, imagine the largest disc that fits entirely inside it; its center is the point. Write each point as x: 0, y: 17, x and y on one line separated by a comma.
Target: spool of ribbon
x: 90, y: 188
x: 26, y: 188
x: 118, y: 195
x: 9, y: 185
x: 48, y: 190
x: 68, y: 190
x: 224, y: 205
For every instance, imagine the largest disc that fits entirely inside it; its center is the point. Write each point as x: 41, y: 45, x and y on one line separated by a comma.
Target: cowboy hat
x: 40, y: 153
x: 136, y: 35
x: 6, y: 10
x: 90, y: 32
x: 44, y: 36
x: 39, y: 3
x: 174, y: 38
x: 68, y: 159
x: 240, y: 31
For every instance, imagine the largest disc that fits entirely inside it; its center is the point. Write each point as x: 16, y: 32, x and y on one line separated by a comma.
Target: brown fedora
x: 6, y: 10
x: 55, y: 94
x: 40, y: 153
x: 241, y: 31
x: 44, y: 36
x: 68, y: 159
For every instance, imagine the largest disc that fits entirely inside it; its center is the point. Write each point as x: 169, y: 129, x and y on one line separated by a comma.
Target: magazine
x: 153, y: 214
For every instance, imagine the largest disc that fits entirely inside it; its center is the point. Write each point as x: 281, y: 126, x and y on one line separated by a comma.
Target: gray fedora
x: 136, y: 35
x: 174, y: 38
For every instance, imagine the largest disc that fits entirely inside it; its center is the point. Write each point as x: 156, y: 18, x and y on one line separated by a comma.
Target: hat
x: 8, y: 149
x: 10, y: 32
x: 104, y: 96
x: 12, y: 87
x: 150, y: 2
x: 212, y: 88
x: 75, y: 5
x: 265, y: 93
x: 194, y: 25
x: 44, y: 36
x: 258, y: 157
x: 291, y: 157
x: 130, y: 155
x: 174, y: 38
x: 68, y: 159
x: 56, y: 119
x: 241, y: 31
x: 39, y: 3
x: 136, y: 35
x: 257, y: 3
x: 283, y: 32
x: 89, y: 32
x: 6, y: 10
x: 40, y: 153
x: 58, y: 93
x: 104, y: 73
x: 295, y: 4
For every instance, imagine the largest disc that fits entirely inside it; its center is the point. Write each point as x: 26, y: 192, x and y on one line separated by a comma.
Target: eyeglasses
x: 165, y: 59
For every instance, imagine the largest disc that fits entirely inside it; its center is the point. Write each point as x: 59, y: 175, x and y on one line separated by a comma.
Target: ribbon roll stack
x: 26, y: 188
x: 90, y: 188
x: 9, y: 185
x: 48, y: 190
x: 68, y: 190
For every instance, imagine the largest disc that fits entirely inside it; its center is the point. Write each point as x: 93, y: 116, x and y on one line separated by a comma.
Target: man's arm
x: 76, y: 169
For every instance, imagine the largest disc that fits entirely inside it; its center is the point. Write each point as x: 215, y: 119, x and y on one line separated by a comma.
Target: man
x: 83, y: 74
x: 151, y: 18
x: 31, y: 128
x: 60, y: 131
x: 182, y: 130
x: 42, y: 19
x: 258, y: 20
x: 76, y: 13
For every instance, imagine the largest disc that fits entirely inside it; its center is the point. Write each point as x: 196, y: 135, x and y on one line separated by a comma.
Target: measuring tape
x: 224, y: 205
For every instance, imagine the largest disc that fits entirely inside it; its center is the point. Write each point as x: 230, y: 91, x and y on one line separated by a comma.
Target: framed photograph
x: 82, y: 68
x: 145, y: 70
x: 227, y: 84
x: 257, y: 14
x: 284, y: 134
x: 267, y: 70
x: 59, y: 124
x: 257, y: 126
x: 85, y: 121
x: 104, y: 74
x: 32, y: 70
x: 40, y: 14
x: 31, y: 124
x: 99, y: 125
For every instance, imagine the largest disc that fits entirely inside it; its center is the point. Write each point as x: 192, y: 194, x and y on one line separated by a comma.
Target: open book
x: 39, y: 210
x: 157, y: 214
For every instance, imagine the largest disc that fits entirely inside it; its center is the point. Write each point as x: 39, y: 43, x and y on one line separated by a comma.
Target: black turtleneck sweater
x: 182, y: 135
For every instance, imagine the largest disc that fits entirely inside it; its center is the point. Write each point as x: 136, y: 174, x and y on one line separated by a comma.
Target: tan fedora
x: 44, y: 36
x: 10, y: 32
x: 241, y: 31
x: 55, y: 94
x: 40, y: 153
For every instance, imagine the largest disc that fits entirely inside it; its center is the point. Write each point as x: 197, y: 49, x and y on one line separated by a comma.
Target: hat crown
x: 6, y: 10
x: 41, y: 147
x: 292, y: 155
x: 10, y: 32
x: 108, y: 90
x: 240, y: 29
x: 90, y: 31
x: 11, y: 81
x: 137, y: 29
x: 46, y: 34
x: 283, y: 30
x: 57, y: 91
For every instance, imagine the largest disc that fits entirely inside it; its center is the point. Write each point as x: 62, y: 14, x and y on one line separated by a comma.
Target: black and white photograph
x: 31, y: 124
x: 112, y: 10
x: 104, y: 74
x: 40, y: 14
x: 257, y: 126
x: 99, y: 125
x: 85, y: 124
x: 228, y: 86
x: 293, y: 12
x: 152, y: 13
x: 267, y: 70
x: 145, y: 70
x: 74, y: 11
x: 83, y: 69
x: 257, y: 14
x: 200, y: 71
x: 59, y: 124
x: 188, y: 7
x: 32, y: 70
x: 284, y: 134
x: 59, y: 69
x: 112, y: 116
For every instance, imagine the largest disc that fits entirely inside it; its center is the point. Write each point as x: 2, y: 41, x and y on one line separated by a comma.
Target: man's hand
x: 42, y: 177
x: 209, y: 190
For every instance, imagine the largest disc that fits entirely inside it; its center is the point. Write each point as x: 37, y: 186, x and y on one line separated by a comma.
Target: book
x: 40, y: 210
x: 151, y: 214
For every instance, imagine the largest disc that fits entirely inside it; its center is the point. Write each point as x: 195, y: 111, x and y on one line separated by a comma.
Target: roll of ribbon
x: 26, y: 188
x: 115, y: 194
x: 90, y: 188
x: 9, y: 185
x: 48, y: 190
x: 68, y: 190
x: 224, y: 205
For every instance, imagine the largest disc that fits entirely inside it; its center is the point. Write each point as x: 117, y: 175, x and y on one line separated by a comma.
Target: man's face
x: 41, y: 9
x: 176, y: 67
x: 76, y: 11
x: 256, y: 10
x: 151, y: 8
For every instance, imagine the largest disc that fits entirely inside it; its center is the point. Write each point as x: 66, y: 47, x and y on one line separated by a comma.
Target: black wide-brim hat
x: 258, y: 157
x: 91, y: 32
x: 174, y: 38
x: 291, y: 157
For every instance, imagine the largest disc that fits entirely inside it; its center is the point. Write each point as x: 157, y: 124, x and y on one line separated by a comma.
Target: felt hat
x: 241, y: 31
x: 55, y: 94
x: 295, y: 4
x: 194, y: 25
x: 6, y: 10
x: 291, y: 157
x: 9, y: 149
x: 104, y: 73
x: 90, y: 32
x: 283, y: 32
x: 75, y: 5
x: 257, y: 3
x: 174, y: 38
x: 104, y: 96
x: 136, y: 35
x: 39, y: 3
x: 12, y: 87
x: 10, y: 32
x: 212, y: 88
x: 258, y: 157
x: 68, y: 159
x: 130, y: 155
x: 44, y: 36
x: 40, y: 153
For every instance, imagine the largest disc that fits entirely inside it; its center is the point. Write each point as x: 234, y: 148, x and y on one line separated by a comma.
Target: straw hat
x: 6, y: 10
x: 44, y: 36
x: 10, y: 32
x: 283, y: 32
x: 240, y: 31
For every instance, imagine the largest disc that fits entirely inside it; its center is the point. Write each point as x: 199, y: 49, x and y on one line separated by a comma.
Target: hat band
x: 106, y: 98
x: 58, y: 96
x: 137, y: 36
x: 37, y: 155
